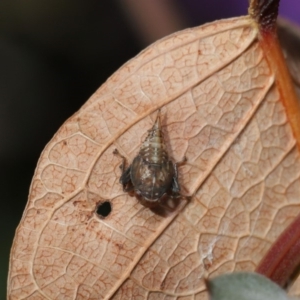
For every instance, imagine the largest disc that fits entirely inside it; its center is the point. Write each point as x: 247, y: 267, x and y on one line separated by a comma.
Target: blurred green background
x: 53, y: 56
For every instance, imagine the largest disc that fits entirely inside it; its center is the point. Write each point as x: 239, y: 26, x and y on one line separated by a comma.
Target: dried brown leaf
x: 289, y: 37
x: 222, y: 109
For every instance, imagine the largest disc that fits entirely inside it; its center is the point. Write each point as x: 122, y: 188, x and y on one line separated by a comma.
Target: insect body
x: 152, y: 176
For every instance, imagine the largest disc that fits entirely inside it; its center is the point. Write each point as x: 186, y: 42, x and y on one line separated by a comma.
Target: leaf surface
x: 222, y: 108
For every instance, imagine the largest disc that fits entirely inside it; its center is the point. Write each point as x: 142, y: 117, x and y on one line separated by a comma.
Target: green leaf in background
x: 244, y: 286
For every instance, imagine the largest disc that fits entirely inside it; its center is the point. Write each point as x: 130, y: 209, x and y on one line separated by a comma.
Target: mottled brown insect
x: 152, y: 177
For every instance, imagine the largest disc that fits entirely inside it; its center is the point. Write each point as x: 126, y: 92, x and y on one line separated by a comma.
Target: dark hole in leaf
x: 103, y: 209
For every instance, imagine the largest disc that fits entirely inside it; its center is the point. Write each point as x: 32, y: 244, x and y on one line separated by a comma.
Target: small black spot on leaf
x: 103, y: 209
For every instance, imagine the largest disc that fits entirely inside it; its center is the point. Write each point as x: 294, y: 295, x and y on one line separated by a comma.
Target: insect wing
x: 151, y: 180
